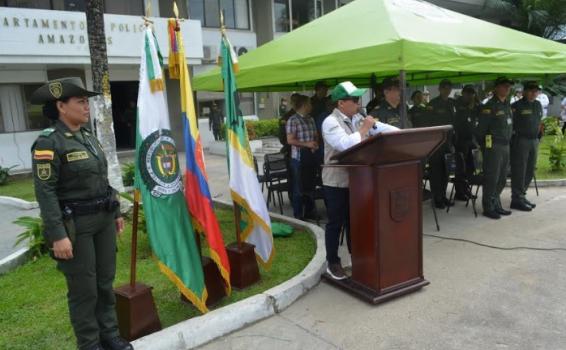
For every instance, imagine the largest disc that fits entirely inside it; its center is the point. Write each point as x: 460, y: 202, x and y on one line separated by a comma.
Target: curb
x: 542, y: 183
x: 14, y: 260
x: 18, y: 203
x: 203, y: 329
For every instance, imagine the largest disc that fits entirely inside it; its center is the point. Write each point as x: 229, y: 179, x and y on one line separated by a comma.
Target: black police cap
x: 59, y: 89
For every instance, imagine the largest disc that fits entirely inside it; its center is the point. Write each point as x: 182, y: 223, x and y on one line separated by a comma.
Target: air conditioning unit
x: 210, y: 54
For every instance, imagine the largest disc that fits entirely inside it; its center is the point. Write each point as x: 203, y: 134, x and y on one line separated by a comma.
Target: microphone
x: 363, y: 113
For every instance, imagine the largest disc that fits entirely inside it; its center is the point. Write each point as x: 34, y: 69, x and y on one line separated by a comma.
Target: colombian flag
x: 197, y: 193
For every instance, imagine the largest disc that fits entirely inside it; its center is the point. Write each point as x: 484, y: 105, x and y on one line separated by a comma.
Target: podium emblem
x: 399, y: 203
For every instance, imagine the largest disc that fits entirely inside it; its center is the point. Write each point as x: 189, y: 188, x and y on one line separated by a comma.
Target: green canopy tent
x: 423, y: 42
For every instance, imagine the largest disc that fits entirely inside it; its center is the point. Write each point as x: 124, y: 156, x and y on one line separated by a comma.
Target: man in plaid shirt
x: 302, y: 136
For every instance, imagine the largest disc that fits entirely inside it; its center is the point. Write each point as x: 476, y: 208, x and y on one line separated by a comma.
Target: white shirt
x: 563, y: 112
x: 340, y: 140
x: 544, y: 101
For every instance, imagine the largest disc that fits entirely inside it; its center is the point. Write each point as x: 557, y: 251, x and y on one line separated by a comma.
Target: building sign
x: 27, y: 34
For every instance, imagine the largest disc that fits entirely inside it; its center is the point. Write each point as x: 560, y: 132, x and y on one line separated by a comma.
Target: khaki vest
x: 335, y: 177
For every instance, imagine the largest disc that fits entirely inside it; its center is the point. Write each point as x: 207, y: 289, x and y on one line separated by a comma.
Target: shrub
x: 4, y: 174
x: 557, y: 154
x: 33, y: 234
x: 259, y: 128
x: 128, y: 173
x: 550, y: 125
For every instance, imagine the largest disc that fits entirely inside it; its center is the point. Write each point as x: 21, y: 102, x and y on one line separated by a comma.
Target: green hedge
x: 260, y: 128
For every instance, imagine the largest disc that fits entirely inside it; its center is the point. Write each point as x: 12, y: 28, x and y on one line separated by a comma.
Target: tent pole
x: 403, y: 103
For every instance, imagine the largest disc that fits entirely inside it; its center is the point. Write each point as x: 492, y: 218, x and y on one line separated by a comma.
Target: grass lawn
x: 21, y: 187
x: 543, y: 165
x: 33, y: 306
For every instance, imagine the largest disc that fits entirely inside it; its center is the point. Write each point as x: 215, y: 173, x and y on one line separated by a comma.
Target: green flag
x: 158, y: 178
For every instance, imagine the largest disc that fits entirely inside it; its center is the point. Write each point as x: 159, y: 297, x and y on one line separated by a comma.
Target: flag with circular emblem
x: 158, y: 178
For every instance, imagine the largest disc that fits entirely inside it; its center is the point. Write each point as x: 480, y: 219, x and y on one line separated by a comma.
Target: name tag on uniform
x: 486, y: 111
x: 74, y: 156
x: 526, y: 112
x: 500, y: 113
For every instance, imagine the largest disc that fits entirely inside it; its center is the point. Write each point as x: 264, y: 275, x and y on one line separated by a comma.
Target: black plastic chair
x: 427, y: 195
x: 276, y: 178
x: 260, y: 178
x: 476, y: 178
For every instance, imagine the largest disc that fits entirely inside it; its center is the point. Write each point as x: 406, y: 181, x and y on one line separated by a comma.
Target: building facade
x: 47, y: 39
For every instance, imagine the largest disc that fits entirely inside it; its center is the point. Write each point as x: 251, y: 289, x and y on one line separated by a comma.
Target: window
x: 236, y: 13
x: 329, y: 6
x: 35, y: 120
x: 31, y: 4
x: 16, y: 112
x: 303, y: 12
x: 281, y: 15
x: 124, y: 7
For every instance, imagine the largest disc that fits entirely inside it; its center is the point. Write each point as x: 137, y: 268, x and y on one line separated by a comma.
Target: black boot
x: 529, y: 203
x: 117, y: 343
x: 519, y: 205
x: 502, y: 211
x: 492, y: 214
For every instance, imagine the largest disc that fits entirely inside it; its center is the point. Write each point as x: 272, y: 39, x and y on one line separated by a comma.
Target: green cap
x: 345, y: 90
x: 58, y: 89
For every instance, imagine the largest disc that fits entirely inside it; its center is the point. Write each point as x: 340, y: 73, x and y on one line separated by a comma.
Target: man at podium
x: 342, y: 129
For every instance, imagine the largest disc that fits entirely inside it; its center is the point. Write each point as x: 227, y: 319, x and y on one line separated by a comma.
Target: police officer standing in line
x: 465, y: 122
x: 388, y: 111
x: 417, y: 113
x: 80, y: 212
x: 494, y: 132
x: 440, y: 111
x: 527, y: 115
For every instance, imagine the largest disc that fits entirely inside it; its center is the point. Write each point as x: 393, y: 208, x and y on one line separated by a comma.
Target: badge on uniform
x: 43, y: 154
x: 486, y: 111
x: 526, y: 112
x: 43, y: 171
x: 74, y: 156
x: 500, y: 113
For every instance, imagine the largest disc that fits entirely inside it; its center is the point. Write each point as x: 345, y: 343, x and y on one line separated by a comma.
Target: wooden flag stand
x: 243, y: 265
x: 212, y: 278
x: 135, y: 308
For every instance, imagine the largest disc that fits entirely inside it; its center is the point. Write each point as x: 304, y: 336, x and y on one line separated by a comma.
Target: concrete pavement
x: 479, y: 297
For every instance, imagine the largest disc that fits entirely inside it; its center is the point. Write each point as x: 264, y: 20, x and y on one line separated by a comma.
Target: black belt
x: 90, y: 206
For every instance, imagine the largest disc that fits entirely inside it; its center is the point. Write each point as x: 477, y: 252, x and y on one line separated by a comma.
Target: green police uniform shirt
x: 495, y: 122
x: 386, y: 113
x: 440, y: 112
x: 66, y: 168
x: 526, y: 118
x: 465, y: 121
x: 418, y: 115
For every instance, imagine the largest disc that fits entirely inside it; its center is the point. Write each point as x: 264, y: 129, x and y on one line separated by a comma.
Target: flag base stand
x: 213, y: 281
x: 136, y: 311
x: 243, y: 265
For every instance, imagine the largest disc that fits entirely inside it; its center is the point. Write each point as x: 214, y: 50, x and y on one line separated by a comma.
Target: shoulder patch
x: 44, y: 171
x: 43, y: 154
x: 47, y: 132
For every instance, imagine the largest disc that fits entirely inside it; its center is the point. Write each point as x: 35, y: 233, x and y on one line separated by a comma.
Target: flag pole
x: 237, y: 213
x: 133, y: 255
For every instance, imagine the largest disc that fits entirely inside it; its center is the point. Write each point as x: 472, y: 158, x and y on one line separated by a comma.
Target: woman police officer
x: 80, y: 211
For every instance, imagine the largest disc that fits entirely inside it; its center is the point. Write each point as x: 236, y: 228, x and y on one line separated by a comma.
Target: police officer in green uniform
x: 80, y: 212
x: 440, y: 111
x: 417, y: 113
x: 494, y: 132
x: 465, y: 122
x: 527, y: 115
x: 388, y: 111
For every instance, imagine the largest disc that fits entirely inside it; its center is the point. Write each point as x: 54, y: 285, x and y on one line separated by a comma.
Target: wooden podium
x: 385, y: 174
